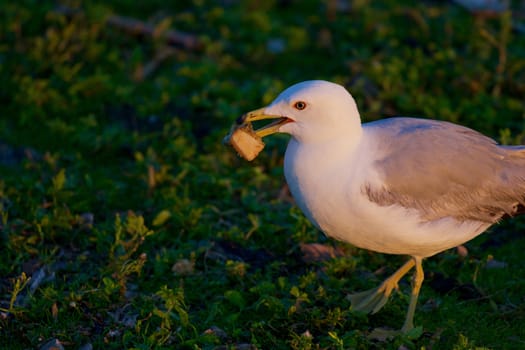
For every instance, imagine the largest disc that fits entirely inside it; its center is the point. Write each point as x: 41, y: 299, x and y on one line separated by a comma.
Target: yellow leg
x: 416, y: 286
x: 371, y: 301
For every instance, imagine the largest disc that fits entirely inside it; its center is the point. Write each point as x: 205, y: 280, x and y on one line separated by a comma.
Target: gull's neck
x: 323, y: 154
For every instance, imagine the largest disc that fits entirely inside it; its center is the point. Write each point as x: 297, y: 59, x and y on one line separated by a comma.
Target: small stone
x: 495, y: 264
x: 276, y: 45
x: 86, y: 220
x: 53, y: 344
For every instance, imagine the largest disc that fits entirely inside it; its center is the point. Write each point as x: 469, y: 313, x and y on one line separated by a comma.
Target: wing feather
x: 445, y: 170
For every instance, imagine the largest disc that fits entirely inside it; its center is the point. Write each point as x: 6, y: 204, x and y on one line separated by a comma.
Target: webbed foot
x: 371, y: 301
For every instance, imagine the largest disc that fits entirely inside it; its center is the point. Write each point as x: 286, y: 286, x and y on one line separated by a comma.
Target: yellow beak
x: 259, y: 114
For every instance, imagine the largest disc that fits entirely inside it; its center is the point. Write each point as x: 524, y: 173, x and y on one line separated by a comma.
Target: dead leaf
x: 316, y: 252
x: 285, y: 195
x: 307, y: 334
x: 54, y: 311
x: 218, y: 332
x: 462, y: 251
x: 183, y: 267
x: 382, y: 334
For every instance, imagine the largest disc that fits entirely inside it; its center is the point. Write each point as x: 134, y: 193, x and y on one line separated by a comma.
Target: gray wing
x: 445, y: 170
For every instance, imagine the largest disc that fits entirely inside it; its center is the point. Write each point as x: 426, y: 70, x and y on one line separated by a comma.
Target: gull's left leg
x: 416, y: 286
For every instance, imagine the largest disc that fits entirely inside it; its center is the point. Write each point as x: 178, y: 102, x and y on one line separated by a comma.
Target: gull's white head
x: 311, y: 111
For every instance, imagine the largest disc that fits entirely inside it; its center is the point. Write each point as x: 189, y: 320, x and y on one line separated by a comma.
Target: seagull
x: 405, y: 186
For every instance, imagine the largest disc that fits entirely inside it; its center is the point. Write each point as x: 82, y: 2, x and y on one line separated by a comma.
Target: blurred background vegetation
x: 126, y: 224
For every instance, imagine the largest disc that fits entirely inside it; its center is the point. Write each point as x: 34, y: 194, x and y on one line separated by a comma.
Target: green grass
x: 125, y: 223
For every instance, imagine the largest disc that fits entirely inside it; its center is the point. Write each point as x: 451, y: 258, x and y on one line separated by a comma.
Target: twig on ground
x: 136, y: 27
x: 143, y: 71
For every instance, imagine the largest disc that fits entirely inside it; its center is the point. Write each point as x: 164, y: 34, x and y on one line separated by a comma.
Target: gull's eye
x: 300, y: 105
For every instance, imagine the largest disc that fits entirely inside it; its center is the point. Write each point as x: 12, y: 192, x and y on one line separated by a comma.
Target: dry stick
x: 172, y: 37
x: 144, y: 71
x: 137, y: 27
x: 501, y: 46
